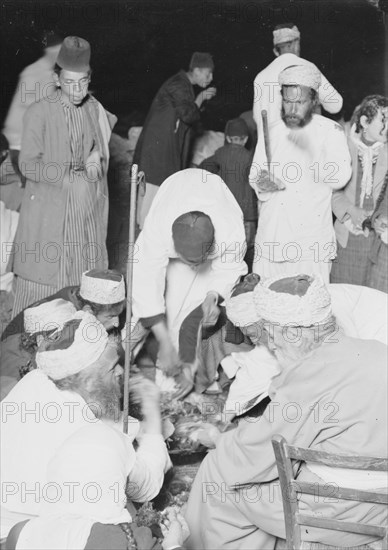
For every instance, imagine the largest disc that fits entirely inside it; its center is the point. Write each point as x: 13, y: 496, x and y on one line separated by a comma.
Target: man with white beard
x: 309, y: 159
x: 62, y: 429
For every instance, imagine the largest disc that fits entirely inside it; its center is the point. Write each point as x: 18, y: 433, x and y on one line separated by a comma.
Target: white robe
x: 361, y: 312
x: 164, y: 284
x: 36, y: 420
x: 295, y: 225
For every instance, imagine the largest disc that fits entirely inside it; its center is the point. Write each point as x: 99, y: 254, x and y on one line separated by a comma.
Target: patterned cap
x: 102, y: 286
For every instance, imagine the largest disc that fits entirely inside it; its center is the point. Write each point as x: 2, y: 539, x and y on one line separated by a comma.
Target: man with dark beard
x: 309, y: 159
x: 73, y: 397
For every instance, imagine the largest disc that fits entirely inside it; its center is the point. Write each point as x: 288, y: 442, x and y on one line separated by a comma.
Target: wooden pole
x: 264, y: 118
x: 130, y: 259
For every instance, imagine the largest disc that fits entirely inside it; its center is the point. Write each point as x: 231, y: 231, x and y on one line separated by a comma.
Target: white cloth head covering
x: 301, y: 75
x: 102, y: 286
x: 241, y: 310
x: 48, y: 316
x: 282, y: 308
x: 85, y: 338
x: 285, y: 35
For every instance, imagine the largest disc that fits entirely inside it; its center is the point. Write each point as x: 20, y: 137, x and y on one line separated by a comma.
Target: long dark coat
x: 164, y: 144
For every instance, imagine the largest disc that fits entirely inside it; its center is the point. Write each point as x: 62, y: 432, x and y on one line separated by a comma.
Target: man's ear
x: 56, y: 80
x: 364, y: 122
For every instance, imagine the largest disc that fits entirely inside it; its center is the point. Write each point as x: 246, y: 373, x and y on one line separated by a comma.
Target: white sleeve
x: 150, y: 257
x: 152, y: 461
x: 329, y: 98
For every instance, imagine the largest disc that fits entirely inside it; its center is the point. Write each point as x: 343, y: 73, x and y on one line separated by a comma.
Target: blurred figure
x: 35, y: 82
x: 232, y: 162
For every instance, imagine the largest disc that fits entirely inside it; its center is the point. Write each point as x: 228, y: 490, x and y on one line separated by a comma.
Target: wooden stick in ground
x: 264, y: 118
x: 131, y: 249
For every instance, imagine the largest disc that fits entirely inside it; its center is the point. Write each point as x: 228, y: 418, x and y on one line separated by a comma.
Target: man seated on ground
x: 324, y: 398
x: 18, y: 351
x: 190, y: 251
x: 74, y: 396
x: 102, y: 292
x: 234, y: 348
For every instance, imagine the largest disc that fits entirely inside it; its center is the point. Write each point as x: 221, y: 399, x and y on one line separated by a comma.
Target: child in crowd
x: 232, y: 163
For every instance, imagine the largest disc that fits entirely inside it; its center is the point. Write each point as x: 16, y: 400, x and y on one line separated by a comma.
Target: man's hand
x: 175, y: 529
x: 185, y: 382
x: 147, y: 395
x: 210, y: 309
x: 357, y: 215
x: 143, y: 391
x: 205, y: 95
x: 208, y: 435
x: 168, y: 358
x: 93, y: 166
x: 380, y: 224
x: 267, y: 184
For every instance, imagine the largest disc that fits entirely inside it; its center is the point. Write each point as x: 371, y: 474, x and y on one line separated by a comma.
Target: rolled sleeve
x: 152, y: 462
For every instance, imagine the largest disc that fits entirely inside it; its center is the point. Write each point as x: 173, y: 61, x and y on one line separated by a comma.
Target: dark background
x: 136, y: 45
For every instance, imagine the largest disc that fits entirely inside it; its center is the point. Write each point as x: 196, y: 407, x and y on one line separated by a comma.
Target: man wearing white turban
x: 309, y: 158
x: 286, y: 41
x: 101, y: 292
x: 75, y: 389
x: 324, y: 398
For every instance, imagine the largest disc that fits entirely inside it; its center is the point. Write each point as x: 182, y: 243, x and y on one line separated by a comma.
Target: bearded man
x: 74, y: 396
x: 309, y: 159
x: 323, y: 399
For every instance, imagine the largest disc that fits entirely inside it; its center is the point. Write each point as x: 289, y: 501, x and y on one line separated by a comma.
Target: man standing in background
x: 286, y: 41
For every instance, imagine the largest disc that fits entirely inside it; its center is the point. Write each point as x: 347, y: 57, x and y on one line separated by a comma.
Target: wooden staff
x: 131, y: 245
x: 264, y: 118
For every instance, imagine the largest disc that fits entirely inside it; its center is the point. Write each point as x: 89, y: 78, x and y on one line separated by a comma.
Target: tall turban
x: 240, y: 308
x: 301, y: 301
x: 301, y: 75
x: 78, y: 345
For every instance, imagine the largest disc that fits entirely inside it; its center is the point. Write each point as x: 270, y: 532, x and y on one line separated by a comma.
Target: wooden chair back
x: 290, y: 488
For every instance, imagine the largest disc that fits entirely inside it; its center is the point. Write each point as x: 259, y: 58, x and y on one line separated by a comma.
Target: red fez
x: 193, y: 235
x: 236, y: 127
x: 74, y: 55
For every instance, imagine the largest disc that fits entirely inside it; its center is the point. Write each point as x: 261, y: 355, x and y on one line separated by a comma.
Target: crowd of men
x: 231, y: 281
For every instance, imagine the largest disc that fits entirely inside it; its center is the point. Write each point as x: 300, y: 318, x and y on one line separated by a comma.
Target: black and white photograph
x: 194, y: 275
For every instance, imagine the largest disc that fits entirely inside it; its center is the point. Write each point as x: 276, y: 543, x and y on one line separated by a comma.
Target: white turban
x: 80, y: 343
x: 285, y: 35
x: 48, y: 316
x: 102, y: 286
x: 241, y: 310
x: 301, y: 75
x: 282, y: 308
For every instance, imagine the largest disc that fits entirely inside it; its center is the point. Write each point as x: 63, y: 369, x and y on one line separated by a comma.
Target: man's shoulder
x: 328, y: 125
